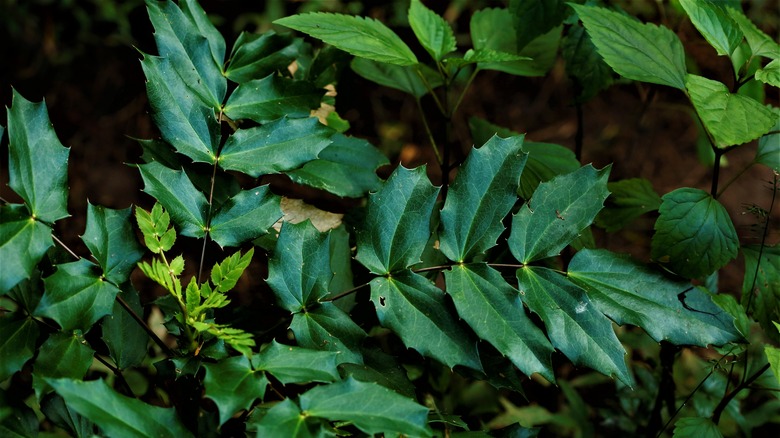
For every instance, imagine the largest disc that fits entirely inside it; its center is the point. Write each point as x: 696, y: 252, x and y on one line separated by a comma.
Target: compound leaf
x: 23, y: 243
x: 481, y: 195
x: 715, y: 24
x: 125, y: 338
x: 245, y: 216
x: 326, y: 327
x: 297, y: 365
x: 256, y: 56
x: 111, y: 240
x: 17, y: 345
x: 225, y: 275
x: 273, y: 97
x: 694, y: 235
x: 433, y: 32
x: 173, y: 189
x: 233, y: 385
x: 62, y: 355
x: 404, y: 78
x: 762, y: 282
x: 628, y: 199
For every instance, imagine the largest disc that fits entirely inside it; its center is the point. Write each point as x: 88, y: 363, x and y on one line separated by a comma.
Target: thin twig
x: 118, y: 373
x: 727, y: 399
x: 430, y: 134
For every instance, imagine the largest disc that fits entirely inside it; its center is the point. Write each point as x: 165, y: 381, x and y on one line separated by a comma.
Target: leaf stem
x: 715, y: 172
x: 736, y: 177
x: 117, y: 373
x: 430, y: 134
x: 727, y: 399
x: 430, y: 90
x: 463, y: 92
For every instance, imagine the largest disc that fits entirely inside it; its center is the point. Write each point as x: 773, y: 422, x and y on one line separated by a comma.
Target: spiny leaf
x: 174, y: 190
x: 225, y: 275
x: 256, y: 56
x: 380, y: 368
x: 363, y: 37
x: 18, y: 344
x: 431, y: 30
x: 23, y: 243
x: 245, y: 216
x: 125, y: 338
x: 715, y: 24
x: 109, y: 237
x: 205, y: 27
x: 273, y: 97
x: 297, y: 365
x: 233, y: 385
x: 326, y: 327
x: 286, y: 420
x: 62, y: 355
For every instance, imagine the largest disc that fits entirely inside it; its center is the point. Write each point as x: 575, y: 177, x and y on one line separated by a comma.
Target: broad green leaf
x: 773, y: 357
x: 62, y: 415
x: 23, y: 243
x: 27, y: 294
x: 111, y: 240
x: 770, y: 73
x: 172, y: 188
x: 299, y: 270
x: 372, y: 408
x: 397, y: 219
x: 416, y: 310
x: 124, y: 336
x: 225, y: 275
x: 256, y: 56
x: 760, y: 43
x: 233, y: 385
x: 118, y: 415
x: 557, y: 213
x: 483, y: 56
x: 715, y: 24
x: 632, y: 293
x: 190, y: 53
x: 360, y: 36
x: 273, y: 97
x: 347, y: 167
x: 275, y: 147
x: 694, y: 235
x: 380, y: 368
x: 574, y: 325
x: 768, y: 152
x: 326, y: 327
x: 198, y: 16
x: 37, y: 161
x: 732, y: 307
x: 628, y: 199
x: 17, y: 345
x: 480, y: 196
x: 696, y: 427
x: 732, y: 119
x: 76, y: 296
x: 405, y: 78
x: 183, y: 119
x: 761, y: 286
x: 494, y: 310
x: 245, y: 216
x: 584, y: 64
x: 62, y: 355
x: 642, y: 52
x: 285, y: 419
x: 431, y: 30
x: 297, y: 365
x: 532, y: 18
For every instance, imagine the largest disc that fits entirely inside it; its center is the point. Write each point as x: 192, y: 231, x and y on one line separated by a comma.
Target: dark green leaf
x: 760, y: 43
x: 346, y: 167
x: 380, y: 368
x: 174, y: 190
x: 124, y: 336
x: 761, y: 286
x: 631, y: 293
x: 256, y: 56
x: 404, y: 78
x: 198, y: 16
x: 372, y: 408
x: 285, y: 419
x: 694, y: 235
x: 532, y: 18
x: 431, y: 30
x: 732, y: 119
x: 297, y: 365
x: 326, y: 327
x: 557, y: 213
x: 733, y: 308
x: 275, y: 147
x: 768, y: 152
x: 396, y: 223
x: 17, y: 345
x: 27, y: 294
x: 359, y: 36
x: 55, y: 409
x: 773, y: 357
x: 770, y: 73
x: 481, y: 195
x: 696, y: 427
x: 233, y: 385
x: 246, y: 216
x: 574, y: 325
x: 416, y: 310
x: 62, y: 355
x: 715, y: 25
x: 272, y: 97
x: 494, y: 310
x: 76, y: 296
x: 225, y: 275
x: 117, y: 415
x: 23, y: 242
x: 37, y: 162
x: 628, y: 199
x: 111, y: 240
x: 584, y: 64
x: 16, y: 419
x: 642, y: 52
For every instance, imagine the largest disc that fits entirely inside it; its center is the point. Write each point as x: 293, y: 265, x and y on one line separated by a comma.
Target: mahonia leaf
x: 225, y: 275
x: 275, y: 147
x: 359, y: 36
x: 23, y: 243
x: 233, y: 385
x: 62, y: 355
x: 574, y: 325
x: 532, y: 18
x: 381, y: 368
x: 694, y: 235
x: 270, y: 98
x: 245, y: 216
x: 192, y: 298
x: 761, y: 286
x: 285, y: 419
x: 299, y: 270
x: 297, y: 365
x: 18, y: 344
x: 158, y: 271
x: 125, y: 338
x: 154, y: 227
x: 397, y: 222
x: 715, y: 24
x: 110, y: 238
x: 326, y: 327
x: 256, y: 56
x: 186, y: 205
x: 628, y: 199
x: 404, y: 78
x: 631, y: 293
x: 118, y: 415
x: 433, y: 32
x: 76, y: 296
x: 198, y: 16
x: 557, y: 213
x: 416, y: 310
x: 37, y: 162
x: 62, y: 415
x: 494, y: 310
x: 481, y: 195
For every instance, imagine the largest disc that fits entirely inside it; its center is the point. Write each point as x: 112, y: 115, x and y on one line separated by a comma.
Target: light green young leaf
x: 37, y: 161
x: 286, y: 420
x: 415, y: 309
x: 494, y: 310
x: 256, y: 56
x: 642, y: 52
x: 125, y: 338
x: 372, y: 408
x: 76, y: 296
x: 732, y: 119
x: 233, y: 385
x: 17, y: 345
x: 480, y: 196
x: 23, y: 243
x: 404, y: 78
x: 574, y: 325
x: 628, y: 199
x: 584, y: 64
x: 118, y: 415
x: 770, y: 74
x: 297, y: 365
x: 397, y: 222
x: 186, y: 205
x: 696, y: 427
x: 62, y: 355
x: 557, y: 213
x: 359, y: 36
x: 694, y: 235
x: 629, y: 292
x: 760, y: 43
x: 225, y: 275
x: 275, y: 147
x: 432, y: 31
x: 245, y: 216
x: 761, y: 286
x: 715, y: 24
x: 110, y: 238
x: 532, y: 18
x: 768, y: 152
x: 205, y: 27
x: 192, y: 298
x: 326, y: 327
x: 273, y: 97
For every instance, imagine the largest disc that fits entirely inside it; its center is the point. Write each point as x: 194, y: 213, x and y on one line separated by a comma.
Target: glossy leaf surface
x: 245, y: 216
x: 271, y: 98
x: 297, y: 365
x: 23, y: 242
x: 256, y: 56
x: 111, y: 240
x: 286, y: 420
x: 17, y: 345
x: 326, y: 327
x: 431, y: 30
x: 173, y: 189
x: 233, y: 385
x: 125, y: 338
x: 62, y: 355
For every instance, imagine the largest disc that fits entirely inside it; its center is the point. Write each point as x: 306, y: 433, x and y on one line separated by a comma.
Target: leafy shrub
x: 474, y: 284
